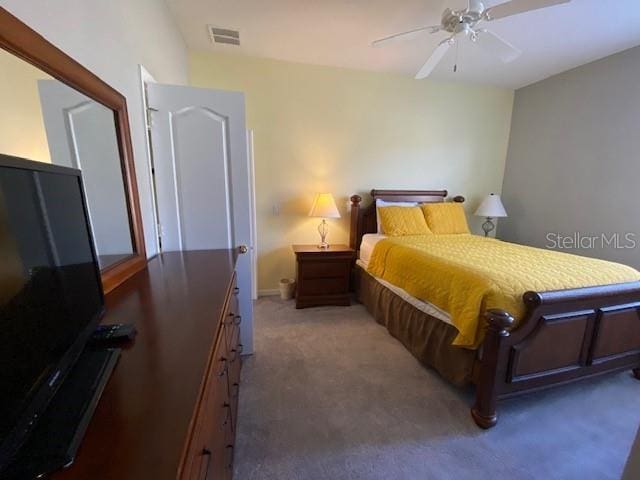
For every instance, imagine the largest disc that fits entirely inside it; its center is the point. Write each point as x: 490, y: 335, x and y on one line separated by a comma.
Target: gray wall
x: 573, y: 163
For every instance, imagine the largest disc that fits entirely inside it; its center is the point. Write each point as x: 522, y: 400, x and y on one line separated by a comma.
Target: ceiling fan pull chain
x: 455, y: 64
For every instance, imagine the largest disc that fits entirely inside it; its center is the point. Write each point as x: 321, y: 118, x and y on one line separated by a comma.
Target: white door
x: 199, y: 145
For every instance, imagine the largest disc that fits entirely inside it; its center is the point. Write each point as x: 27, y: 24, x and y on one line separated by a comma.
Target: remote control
x: 113, y: 333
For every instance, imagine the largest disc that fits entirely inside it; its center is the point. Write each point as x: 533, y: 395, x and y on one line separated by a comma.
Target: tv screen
x: 50, y: 289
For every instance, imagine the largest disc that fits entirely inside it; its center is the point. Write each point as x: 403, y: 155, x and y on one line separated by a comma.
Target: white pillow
x: 382, y: 204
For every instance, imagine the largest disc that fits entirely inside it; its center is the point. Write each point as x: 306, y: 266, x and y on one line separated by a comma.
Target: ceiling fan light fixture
x: 462, y: 28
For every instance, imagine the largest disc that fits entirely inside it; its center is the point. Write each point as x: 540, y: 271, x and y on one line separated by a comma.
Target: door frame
x: 252, y: 210
x: 145, y: 78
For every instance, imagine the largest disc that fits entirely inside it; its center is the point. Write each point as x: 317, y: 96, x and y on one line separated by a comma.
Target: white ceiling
x: 339, y: 32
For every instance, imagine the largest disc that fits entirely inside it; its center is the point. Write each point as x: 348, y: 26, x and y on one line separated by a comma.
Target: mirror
x: 43, y: 119
x: 55, y: 110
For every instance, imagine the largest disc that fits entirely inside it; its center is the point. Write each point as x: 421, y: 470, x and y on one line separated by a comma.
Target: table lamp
x: 324, y: 206
x: 491, y: 207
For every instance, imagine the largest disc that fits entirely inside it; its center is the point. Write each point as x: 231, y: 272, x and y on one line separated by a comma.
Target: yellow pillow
x: 398, y: 221
x: 443, y: 218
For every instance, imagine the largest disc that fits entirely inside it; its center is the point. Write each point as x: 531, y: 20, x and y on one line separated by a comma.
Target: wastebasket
x: 286, y: 288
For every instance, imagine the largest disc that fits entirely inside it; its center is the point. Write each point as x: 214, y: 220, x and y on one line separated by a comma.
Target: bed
x: 561, y: 335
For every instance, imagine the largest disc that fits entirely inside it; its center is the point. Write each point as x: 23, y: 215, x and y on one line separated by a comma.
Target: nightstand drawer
x: 326, y: 269
x: 324, y: 286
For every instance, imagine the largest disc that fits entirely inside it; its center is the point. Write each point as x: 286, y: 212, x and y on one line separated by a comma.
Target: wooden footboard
x: 566, y: 335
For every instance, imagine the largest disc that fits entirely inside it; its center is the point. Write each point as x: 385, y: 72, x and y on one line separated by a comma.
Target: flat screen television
x: 51, y: 296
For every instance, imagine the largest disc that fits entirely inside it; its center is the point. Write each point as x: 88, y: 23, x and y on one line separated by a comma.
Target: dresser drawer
x: 224, y: 421
x: 235, y: 365
x: 234, y: 356
x: 222, y: 426
x: 232, y: 318
x: 232, y: 333
x: 205, y: 451
x: 199, y: 462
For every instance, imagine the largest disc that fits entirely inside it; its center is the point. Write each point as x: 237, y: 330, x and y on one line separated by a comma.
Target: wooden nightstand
x: 322, y: 276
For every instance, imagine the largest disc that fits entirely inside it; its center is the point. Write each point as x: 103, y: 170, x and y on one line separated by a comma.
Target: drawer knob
x: 243, y: 249
x: 207, y: 453
x: 223, y: 371
x: 237, y: 319
x: 227, y: 418
x: 230, y: 450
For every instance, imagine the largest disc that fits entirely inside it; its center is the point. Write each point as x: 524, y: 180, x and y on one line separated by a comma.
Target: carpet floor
x: 329, y: 394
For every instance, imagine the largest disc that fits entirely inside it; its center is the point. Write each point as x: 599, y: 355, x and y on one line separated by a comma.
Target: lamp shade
x: 324, y: 206
x: 492, y: 207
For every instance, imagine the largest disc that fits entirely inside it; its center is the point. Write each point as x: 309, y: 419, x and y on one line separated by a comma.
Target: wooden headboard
x: 364, y: 220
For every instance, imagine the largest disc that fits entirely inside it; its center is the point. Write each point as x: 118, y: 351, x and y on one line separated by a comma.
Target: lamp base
x: 323, y: 229
x: 488, y: 226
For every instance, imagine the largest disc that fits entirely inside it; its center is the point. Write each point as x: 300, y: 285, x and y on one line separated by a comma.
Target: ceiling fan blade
x: 495, y: 45
x: 515, y: 7
x: 404, y: 35
x: 434, y: 60
x: 476, y: 6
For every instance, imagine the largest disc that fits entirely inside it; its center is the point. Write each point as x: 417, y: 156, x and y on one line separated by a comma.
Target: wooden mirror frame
x: 25, y: 43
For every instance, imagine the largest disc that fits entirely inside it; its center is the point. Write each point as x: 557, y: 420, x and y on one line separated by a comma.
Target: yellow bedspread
x: 467, y: 274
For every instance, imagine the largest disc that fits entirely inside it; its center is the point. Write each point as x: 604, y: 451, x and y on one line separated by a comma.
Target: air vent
x: 224, y: 35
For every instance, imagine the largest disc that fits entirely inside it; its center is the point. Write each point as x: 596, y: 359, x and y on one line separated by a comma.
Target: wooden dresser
x: 169, y: 411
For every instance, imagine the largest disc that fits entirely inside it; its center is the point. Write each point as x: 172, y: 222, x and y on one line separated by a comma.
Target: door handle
x: 243, y: 249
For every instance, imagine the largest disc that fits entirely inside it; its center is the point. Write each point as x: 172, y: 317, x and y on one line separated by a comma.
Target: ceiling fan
x: 464, y: 24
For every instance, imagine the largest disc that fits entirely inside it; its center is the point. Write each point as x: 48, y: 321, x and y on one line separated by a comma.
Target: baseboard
x: 269, y: 292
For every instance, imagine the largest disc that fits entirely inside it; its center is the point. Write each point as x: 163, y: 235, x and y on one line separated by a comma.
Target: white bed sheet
x: 369, y: 241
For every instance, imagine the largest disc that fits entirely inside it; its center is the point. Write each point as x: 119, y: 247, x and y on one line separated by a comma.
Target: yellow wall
x: 21, y: 125
x: 343, y: 131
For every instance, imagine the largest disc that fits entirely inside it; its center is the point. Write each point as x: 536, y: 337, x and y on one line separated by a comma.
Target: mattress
x: 369, y: 241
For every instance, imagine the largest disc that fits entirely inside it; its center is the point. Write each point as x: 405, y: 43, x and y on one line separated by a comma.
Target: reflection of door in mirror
x: 43, y: 119
x: 81, y: 134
